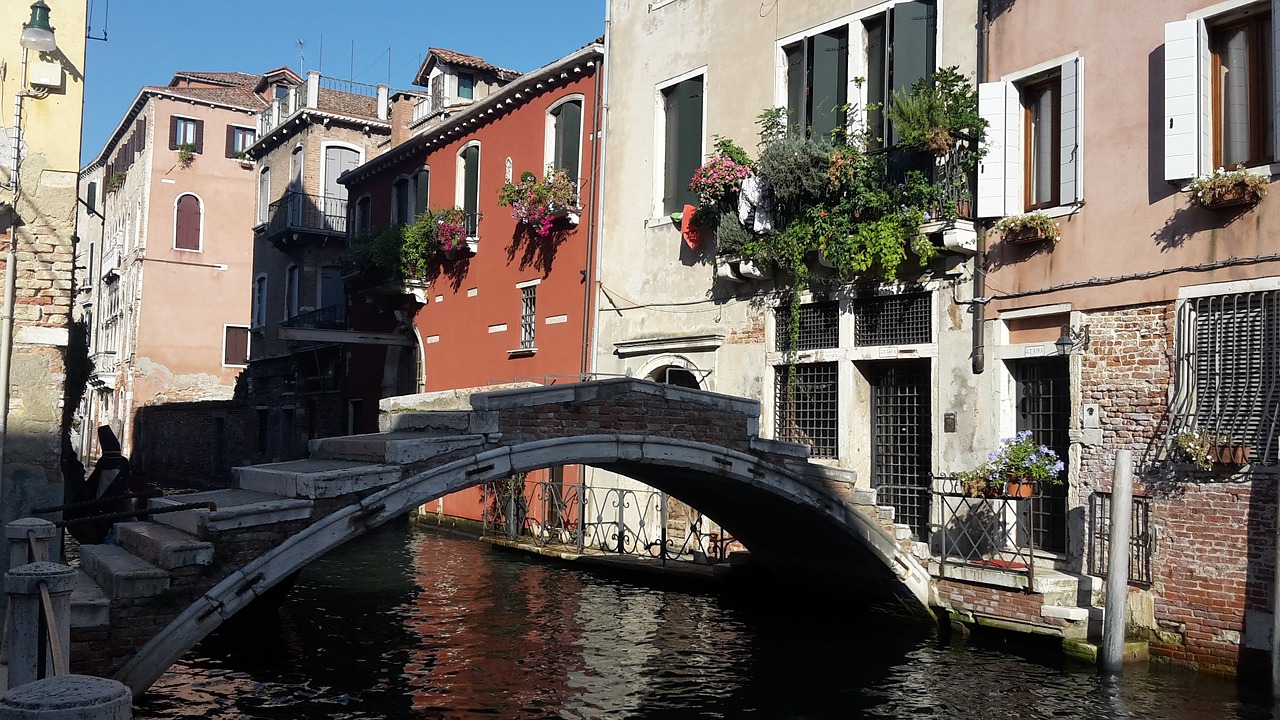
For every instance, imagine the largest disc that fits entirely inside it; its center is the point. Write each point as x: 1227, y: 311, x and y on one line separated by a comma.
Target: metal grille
x: 528, y: 315
x: 892, y: 320
x: 1228, y: 377
x: 818, y: 328
x: 807, y: 411
x: 1141, y: 540
x: 1043, y: 408
x: 900, y: 441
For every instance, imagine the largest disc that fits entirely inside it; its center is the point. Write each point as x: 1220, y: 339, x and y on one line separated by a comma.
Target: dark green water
x: 411, y: 624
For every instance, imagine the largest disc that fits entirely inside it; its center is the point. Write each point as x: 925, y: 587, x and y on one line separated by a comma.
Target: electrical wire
x: 1095, y: 282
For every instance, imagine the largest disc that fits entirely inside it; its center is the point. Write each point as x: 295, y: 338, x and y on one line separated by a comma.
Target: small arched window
x: 187, y: 223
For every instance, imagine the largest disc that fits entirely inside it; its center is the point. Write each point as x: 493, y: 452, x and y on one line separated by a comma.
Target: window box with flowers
x: 1014, y: 470
x: 1223, y: 189
x: 449, y: 226
x: 538, y: 204
x: 1204, y: 451
x: 1029, y: 227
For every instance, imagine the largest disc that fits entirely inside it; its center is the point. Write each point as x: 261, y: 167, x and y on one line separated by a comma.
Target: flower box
x: 1240, y: 194
x: 1230, y: 454
x: 1025, y: 236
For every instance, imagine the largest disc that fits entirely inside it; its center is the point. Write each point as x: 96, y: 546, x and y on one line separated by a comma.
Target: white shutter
x: 1275, y: 76
x: 994, y: 102
x: 1071, y: 101
x: 1184, y: 98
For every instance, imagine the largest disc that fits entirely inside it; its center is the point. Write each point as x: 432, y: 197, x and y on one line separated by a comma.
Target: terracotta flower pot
x: 1019, y: 488
x: 1230, y: 454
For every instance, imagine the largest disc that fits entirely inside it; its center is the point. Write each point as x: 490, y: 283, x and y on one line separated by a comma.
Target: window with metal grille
x: 819, y: 326
x: 528, y: 315
x: 1228, y: 372
x: 807, y: 406
x: 1141, y: 540
x: 892, y: 320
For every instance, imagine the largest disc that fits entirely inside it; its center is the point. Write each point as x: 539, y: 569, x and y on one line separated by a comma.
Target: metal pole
x: 11, y: 264
x: 1112, y: 656
x: 1275, y: 618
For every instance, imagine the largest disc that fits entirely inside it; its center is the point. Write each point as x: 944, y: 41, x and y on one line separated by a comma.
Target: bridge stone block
x: 392, y: 448
x: 90, y: 607
x: 163, y: 546
x: 317, y: 478
x: 864, y: 496
x: 484, y: 422
x: 121, y: 574
x: 236, y: 509
x: 438, y: 422
x: 777, y: 447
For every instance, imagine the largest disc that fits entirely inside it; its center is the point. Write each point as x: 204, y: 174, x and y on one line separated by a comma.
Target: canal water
x: 409, y: 623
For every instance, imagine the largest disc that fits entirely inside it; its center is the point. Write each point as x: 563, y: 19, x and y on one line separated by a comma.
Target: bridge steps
x: 163, y: 546
x: 90, y: 606
x: 236, y: 509
x: 121, y: 574
x: 395, y: 448
x: 317, y: 478
x: 435, y: 422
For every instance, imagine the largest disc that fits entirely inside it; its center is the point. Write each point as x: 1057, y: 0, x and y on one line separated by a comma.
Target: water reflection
x: 409, y: 624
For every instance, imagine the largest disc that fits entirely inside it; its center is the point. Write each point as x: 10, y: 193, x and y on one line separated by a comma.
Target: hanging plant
x: 536, y: 204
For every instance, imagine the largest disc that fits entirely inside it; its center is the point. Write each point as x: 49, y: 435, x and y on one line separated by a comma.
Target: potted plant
x: 451, y: 233
x: 718, y: 181
x: 186, y: 154
x: 1028, y: 228
x: 536, y: 204
x: 1228, y: 188
x: 1014, y: 469
x: 115, y: 181
x: 936, y: 113
x: 1195, y: 448
x: 1226, y: 451
x: 243, y: 158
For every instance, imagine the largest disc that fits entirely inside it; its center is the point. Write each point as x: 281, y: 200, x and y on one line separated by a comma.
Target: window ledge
x: 659, y: 222
x: 522, y: 352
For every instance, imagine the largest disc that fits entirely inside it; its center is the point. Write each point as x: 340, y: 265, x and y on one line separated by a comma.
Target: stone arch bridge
x: 169, y: 581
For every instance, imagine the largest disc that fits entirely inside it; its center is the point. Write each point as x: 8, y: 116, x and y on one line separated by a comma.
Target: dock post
x: 1113, y: 627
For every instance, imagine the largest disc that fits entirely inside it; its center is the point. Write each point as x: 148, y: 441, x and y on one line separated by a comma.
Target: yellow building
x: 42, y: 82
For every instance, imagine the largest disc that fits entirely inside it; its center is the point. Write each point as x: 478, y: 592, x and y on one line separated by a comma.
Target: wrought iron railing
x: 1141, y: 538
x: 952, y: 174
x: 308, y: 213
x: 994, y: 533
x: 622, y: 521
x: 333, y: 317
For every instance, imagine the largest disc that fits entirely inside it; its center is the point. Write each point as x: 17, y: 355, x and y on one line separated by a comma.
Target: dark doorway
x: 1042, y: 394
x: 901, y: 442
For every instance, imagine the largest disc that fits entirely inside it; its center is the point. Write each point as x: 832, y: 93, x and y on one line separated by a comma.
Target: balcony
x: 330, y: 95
x: 333, y: 317
x: 296, y: 216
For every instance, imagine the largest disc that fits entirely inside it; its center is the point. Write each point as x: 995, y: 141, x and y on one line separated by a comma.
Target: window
x: 235, y: 345
x: 188, y: 218
x: 401, y: 202
x: 1220, y: 91
x: 91, y: 197
x: 466, y: 86
x: 901, y: 49
x: 819, y: 326
x: 331, y: 290
x: 264, y: 194
x: 566, y: 137
x: 421, y: 186
x: 260, y: 301
x: 238, y: 140
x: 186, y: 131
x: 362, y: 221
x: 292, y: 278
x: 528, y: 315
x: 818, y: 82
x: 469, y: 186
x: 1032, y: 141
x: 1227, y: 380
x: 892, y: 320
x: 281, y: 91
x: 806, y: 409
x: 682, y: 115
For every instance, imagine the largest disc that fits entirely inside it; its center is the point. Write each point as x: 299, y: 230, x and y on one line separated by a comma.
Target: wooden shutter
x: 683, y: 142
x: 231, y: 141
x: 471, y: 184
x: 235, y: 346
x: 1071, y: 101
x: 1000, y: 173
x: 199, y: 136
x: 140, y: 130
x: 187, y: 223
x: 91, y: 196
x: 173, y: 133
x: 422, y: 188
x: 568, y: 138
x: 1186, y: 99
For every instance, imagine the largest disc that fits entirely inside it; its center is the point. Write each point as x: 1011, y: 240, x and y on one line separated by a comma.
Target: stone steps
x: 90, y: 606
x: 236, y: 509
x: 392, y: 448
x: 434, y: 422
x: 121, y: 574
x: 316, y: 478
x: 163, y: 546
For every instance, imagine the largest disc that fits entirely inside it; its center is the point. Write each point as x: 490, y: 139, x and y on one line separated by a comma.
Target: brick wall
x: 1012, y: 605
x: 191, y: 443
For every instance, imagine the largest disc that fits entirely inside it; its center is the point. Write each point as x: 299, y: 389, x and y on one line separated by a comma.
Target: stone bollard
x: 70, y: 697
x: 22, y: 550
x: 33, y: 646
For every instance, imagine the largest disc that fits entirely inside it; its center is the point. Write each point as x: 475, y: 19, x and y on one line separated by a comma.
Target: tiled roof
x: 238, y: 79
x: 471, y: 61
x: 239, y: 96
x: 345, y: 103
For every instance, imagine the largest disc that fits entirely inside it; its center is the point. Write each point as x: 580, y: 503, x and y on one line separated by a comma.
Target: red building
x: 512, y: 305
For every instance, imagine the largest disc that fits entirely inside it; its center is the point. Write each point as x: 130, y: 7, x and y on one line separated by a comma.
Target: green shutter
x: 877, y: 66
x: 422, y: 190
x: 830, y: 88
x: 914, y: 27
x: 568, y: 138
x: 797, y: 80
x: 471, y: 184
x: 684, y: 143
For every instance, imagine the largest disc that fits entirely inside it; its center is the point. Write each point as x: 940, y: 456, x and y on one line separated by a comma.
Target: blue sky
x: 149, y: 40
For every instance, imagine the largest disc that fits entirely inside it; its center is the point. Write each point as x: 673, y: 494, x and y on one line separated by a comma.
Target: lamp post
x: 37, y: 34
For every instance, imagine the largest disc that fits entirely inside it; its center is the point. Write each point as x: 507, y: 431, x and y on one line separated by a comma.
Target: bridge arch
x: 765, y: 505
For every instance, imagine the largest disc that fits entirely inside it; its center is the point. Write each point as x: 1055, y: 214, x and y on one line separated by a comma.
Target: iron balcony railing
x: 991, y: 533
x: 299, y: 212
x: 623, y: 521
x: 1142, y: 540
x: 949, y: 173
x: 333, y: 317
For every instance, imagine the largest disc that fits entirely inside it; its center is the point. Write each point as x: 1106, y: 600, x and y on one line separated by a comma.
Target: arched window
x: 401, y: 201
x: 469, y: 187
x: 564, y: 126
x: 187, y: 223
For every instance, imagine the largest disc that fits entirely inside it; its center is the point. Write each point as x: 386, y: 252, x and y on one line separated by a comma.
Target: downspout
x: 979, y: 278
x: 11, y: 266
x: 592, y: 324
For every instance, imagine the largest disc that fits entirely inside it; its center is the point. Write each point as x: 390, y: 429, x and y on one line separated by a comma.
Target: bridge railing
x: 612, y: 520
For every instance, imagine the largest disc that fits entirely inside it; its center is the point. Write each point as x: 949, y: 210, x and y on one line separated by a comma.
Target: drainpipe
x: 979, y: 279
x: 11, y: 267
x: 597, y: 208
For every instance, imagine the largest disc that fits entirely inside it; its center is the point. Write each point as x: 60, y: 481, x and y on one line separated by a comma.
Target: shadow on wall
x: 1191, y: 220
x: 537, y: 251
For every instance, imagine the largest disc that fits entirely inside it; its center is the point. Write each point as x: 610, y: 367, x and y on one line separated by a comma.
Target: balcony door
x: 337, y: 160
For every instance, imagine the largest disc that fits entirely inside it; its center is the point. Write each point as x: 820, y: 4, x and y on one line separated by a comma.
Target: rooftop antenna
x: 106, y: 10
x: 321, y: 63
x: 302, y: 58
x: 352, y: 72
x: 388, y: 65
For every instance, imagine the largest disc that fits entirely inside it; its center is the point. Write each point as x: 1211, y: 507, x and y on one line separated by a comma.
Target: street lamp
x: 38, y: 34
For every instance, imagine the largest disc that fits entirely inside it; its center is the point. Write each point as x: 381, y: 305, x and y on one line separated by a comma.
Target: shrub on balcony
x: 537, y: 204
x: 936, y: 113
x: 719, y: 180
